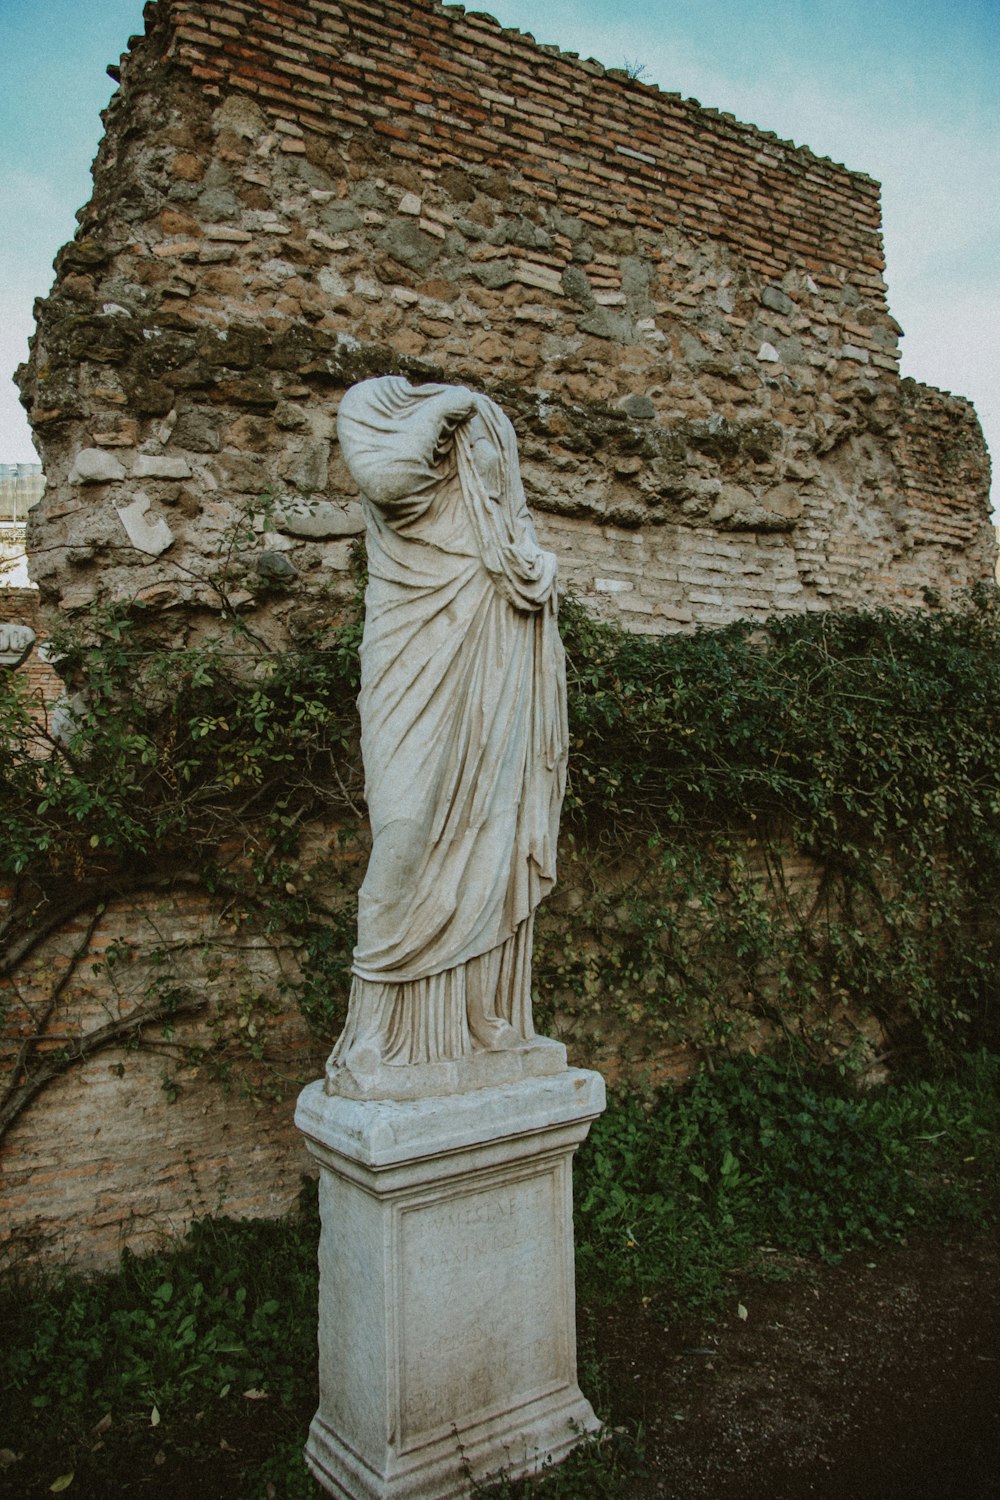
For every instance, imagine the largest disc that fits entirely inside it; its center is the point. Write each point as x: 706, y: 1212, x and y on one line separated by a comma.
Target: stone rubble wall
x: 685, y: 317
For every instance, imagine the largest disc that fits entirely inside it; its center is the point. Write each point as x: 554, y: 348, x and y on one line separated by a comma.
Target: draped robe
x: 463, y: 727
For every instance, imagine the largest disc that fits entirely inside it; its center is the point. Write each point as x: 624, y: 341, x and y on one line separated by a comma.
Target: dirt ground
x: 877, y: 1378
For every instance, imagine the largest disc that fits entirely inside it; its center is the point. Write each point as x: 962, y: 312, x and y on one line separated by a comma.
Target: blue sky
x: 906, y: 90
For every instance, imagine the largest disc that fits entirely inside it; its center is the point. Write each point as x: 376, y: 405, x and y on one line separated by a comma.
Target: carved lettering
x: 471, y: 1250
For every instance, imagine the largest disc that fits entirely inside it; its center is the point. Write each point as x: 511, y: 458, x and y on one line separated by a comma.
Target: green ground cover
x: 200, y: 1360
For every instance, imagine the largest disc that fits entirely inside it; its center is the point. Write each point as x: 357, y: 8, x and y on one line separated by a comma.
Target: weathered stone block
x: 95, y: 466
x: 305, y: 466
x: 243, y: 473
x: 161, y: 466
x: 147, y: 533
x: 447, y: 1304
x: 779, y: 301
x: 16, y: 641
x: 319, y: 518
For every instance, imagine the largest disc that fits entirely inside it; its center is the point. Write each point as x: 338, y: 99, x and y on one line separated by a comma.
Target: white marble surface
x: 146, y: 531
x: 463, y: 735
x: 16, y: 642
x: 447, y: 1302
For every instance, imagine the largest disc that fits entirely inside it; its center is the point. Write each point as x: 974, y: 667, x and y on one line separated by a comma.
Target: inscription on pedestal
x: 474, y: 1251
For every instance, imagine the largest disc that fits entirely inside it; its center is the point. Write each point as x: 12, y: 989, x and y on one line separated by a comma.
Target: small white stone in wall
x: 95, y: 466
x: 152, y: 536
x: 322, y: 239
x: 851, y: 351
x: 332, y: 283
x: 410, y: 204
x: 319, y: 518
x: 612, y: 585
x: 768, y: 352
x: 227, y: 234
x: 161, y: 466
x: 277, y: 270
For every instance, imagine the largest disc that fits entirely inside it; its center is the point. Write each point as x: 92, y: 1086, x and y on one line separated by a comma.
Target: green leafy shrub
x: 700, y: 764
x: 230, y: 1310
x: 758, y: 1168
x: 702, y: 767
x: 760, y: 1154
x: 174, y: 1342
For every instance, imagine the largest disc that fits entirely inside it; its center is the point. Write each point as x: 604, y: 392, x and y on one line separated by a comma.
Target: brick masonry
x: 685, y: 317
x: 130, y: 1144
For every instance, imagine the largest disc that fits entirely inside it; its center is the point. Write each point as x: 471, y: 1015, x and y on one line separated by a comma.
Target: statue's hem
x: 364, y: 1076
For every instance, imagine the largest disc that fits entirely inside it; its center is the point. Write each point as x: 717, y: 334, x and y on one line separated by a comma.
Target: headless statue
x: 463, y: 737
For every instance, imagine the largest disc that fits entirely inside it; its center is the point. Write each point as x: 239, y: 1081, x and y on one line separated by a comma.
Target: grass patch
x: 762, y: 1156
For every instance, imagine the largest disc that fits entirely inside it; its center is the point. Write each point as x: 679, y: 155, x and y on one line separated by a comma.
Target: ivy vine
x: 771, y: 832
x: 708, y: 770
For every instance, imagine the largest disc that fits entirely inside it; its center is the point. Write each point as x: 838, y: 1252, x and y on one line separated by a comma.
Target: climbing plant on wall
x: 798, y: 826
x: 169, y: 771
x: 772, y: 833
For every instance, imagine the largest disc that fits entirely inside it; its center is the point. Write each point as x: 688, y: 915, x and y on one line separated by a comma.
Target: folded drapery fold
x: 463, y: 723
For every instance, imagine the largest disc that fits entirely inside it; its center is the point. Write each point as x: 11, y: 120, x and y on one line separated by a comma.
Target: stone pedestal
x: 447, y: 1338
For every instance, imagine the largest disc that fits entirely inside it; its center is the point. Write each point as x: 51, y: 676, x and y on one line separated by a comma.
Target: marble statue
x: 16, y: 642
x: 463, y: 737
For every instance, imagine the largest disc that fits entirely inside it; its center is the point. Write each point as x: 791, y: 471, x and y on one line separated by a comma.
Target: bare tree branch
x: 18, y: 1097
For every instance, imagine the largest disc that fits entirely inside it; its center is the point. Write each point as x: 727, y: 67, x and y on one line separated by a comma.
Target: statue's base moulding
x: 535, y: 1057
x: 447, y: 1324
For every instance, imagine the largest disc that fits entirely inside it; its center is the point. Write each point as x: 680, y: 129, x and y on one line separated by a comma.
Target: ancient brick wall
x: 685, y: 317
x: 131, y: 1142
